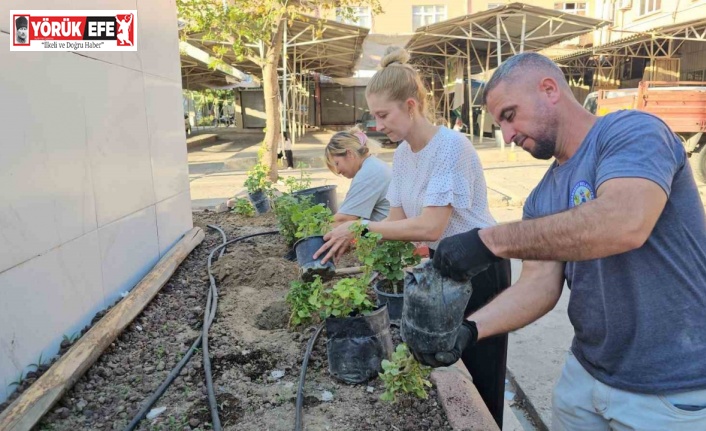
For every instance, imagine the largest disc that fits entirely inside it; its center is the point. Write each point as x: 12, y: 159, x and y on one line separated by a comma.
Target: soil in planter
x: 248, y: 341
x: 386, y: 286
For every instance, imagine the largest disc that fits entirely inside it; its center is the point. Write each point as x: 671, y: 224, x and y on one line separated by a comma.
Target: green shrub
x: 244, y: 207
x: 347, y: 296
x: 315, y: 220
x: 285, y: 206
x: 257, y: 180
x: 299, y: 299
x: 404, y: 374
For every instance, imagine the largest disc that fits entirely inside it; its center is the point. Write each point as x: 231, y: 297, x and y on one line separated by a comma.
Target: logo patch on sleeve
x: 581, y: 192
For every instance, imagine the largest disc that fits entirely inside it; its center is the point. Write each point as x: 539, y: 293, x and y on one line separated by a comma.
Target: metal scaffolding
x: 482, y: 40
x: 603, y: 63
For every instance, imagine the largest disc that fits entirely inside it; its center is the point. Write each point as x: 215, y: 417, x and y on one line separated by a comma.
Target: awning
x: 196, y: 73
x: 490, y: 36
x: 659, y: 41
x: 313, y: 45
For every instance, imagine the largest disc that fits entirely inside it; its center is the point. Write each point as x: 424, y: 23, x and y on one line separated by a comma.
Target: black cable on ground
x: 212, y: 305
x: 209, y: 315
x: 302, y: 377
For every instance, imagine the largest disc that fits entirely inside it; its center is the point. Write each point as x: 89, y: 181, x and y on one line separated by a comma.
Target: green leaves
x: 315, y: 220
x: 295, y: 184
x: 389, y: 258
x: 346, y: 297
x: 257, y: 181
x: 404, y: 374
x: 303, y: 300
x: 244, y: 207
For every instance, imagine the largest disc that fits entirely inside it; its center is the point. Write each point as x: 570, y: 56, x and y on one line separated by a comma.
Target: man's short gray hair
x: 522, y: 63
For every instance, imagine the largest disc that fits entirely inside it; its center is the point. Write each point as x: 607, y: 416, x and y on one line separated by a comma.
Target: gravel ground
x: 249, y: 340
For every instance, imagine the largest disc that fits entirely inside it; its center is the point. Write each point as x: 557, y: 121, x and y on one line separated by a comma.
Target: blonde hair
x: 398, y: 80
x: 341, y: 142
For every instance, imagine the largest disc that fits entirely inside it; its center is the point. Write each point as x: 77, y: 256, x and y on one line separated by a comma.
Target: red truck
x: 681, y: 104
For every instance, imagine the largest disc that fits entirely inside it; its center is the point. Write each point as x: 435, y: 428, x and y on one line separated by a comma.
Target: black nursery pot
x: 357, y: 345
x: 260, y: 202
x: 322, y: 195
x: 305, y: 249
x: 394, y: 302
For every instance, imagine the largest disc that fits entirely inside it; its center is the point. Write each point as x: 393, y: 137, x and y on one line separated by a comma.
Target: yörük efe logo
x: 74, y: 30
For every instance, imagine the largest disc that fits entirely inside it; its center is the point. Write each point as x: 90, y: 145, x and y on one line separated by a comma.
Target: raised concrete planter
x: 460, y: 399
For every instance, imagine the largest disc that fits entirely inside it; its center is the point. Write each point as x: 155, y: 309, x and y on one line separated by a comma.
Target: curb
x: 526, y: 402
x: 203, y: 139
x: 460, y: 399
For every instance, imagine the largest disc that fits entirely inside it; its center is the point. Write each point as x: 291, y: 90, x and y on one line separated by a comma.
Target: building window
x: 359, y: 16
x: 425, y: 15
x: 574, y: 8
x: 649, y: 6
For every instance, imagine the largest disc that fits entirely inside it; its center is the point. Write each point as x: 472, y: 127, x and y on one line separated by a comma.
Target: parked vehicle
x: 682, y: 105
x: 369, y: 126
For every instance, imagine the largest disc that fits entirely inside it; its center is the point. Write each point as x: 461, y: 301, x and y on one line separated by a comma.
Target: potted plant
x: 388, y: 259
x: 312, y: 223
x: 358, y: 335
x: 285, y: 206
x: 259, y: 187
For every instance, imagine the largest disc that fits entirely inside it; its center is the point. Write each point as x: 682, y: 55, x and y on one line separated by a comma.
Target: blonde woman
x: 437, y: 190
x: 349, y: 154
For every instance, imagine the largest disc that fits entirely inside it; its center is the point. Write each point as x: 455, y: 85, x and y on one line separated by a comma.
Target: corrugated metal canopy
x: 690, y: 30
x: 512, y: 28
x: 317, y: 45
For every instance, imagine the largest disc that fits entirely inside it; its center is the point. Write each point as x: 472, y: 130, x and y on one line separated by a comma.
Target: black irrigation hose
x: 163, y: 387
x: 209, y: 315
x: 302, y: 377
x: 212, y: 305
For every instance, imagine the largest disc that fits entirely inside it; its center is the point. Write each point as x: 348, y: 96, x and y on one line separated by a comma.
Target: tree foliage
x: 253, y: 30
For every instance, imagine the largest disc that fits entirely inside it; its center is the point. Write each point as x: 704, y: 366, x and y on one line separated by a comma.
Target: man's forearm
x: 590, y: 231
x: 518, y: 306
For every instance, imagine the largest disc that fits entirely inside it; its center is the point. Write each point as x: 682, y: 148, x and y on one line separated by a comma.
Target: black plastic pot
x: 322, y: 195
x: 393, y: 301
x: 305, y: 249
x: 260, y: 201
x: 433, y: 309
x: 357, y: 345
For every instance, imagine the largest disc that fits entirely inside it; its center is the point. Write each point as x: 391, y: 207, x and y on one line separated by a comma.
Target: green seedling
x: 315, y: 220
x: 404, y: 374
x: 38, y: 363
x: 19, y: 381
x: 299, y: 300
x: 295, y: 184
x: 285, y: 207
x: 243, y: 207
x: 257, y: 180
x: 348, y: 296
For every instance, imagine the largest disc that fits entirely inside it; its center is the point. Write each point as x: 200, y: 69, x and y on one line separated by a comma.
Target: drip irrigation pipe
x: 209, y: 315
x: 302, y: 377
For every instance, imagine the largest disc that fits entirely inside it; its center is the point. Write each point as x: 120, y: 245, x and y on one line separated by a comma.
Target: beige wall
x: 627, y: 17
x: 397, y: 14
x: 94, y: 178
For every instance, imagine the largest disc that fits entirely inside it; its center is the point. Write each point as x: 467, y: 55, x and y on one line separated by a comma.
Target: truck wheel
x: 698, y: 164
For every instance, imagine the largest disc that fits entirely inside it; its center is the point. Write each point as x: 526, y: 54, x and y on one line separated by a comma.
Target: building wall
x: 94, y: 178
x: 397, y: 14
x: 628, y: 16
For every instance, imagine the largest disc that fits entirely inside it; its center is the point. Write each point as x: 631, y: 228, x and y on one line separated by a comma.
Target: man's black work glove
x: 466, y: 337
x: 462, y: 256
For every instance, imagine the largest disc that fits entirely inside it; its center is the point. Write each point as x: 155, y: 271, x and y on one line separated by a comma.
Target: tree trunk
x: 270, y: 85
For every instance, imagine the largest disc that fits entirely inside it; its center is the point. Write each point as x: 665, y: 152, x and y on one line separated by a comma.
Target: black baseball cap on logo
x: 21, y: 22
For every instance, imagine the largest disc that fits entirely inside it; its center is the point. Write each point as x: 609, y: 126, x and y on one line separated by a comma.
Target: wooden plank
x: 29, y: 408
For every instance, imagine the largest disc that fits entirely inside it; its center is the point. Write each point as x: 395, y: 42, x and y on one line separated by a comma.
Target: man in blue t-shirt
x: 619, y: 218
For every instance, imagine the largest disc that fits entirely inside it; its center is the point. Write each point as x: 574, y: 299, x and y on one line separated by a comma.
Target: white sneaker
x: 289, y: 168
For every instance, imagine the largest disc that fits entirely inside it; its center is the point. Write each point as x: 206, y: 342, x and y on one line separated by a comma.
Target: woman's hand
x: 337, y: 242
